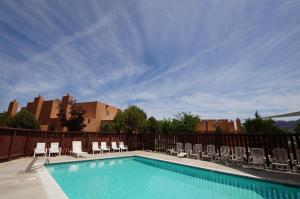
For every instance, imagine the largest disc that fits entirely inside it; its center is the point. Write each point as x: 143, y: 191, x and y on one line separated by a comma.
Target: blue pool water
x: 143, y: 178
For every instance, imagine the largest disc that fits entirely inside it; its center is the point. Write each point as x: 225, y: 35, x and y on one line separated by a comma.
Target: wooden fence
x: 20, y: 142
x: 291, y: 142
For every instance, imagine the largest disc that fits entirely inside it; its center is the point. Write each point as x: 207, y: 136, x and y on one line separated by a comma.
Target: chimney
x: 65, y: 103
x: 37, y: 106
x: 12, y: 108
x: 238, y: 125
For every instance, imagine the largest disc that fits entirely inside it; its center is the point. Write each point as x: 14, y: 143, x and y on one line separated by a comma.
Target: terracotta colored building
x: 210, y: 126
x: 45, y: 111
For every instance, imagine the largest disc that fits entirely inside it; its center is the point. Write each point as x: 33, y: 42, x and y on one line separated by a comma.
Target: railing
x: 20, y: 142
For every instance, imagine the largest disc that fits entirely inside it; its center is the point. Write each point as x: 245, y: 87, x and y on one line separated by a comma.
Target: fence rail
x: 21, y: 142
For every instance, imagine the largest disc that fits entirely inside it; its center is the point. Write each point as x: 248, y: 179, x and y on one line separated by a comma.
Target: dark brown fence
x: 20, y: 142
x: 291, y: 142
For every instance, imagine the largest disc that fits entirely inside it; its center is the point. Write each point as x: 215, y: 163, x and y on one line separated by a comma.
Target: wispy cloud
x: 211, y: 58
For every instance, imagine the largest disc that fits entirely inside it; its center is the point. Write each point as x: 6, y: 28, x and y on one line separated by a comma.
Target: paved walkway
x: 14, y: 183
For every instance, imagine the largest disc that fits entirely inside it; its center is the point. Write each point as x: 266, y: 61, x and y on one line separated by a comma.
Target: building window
x: 107, y: 112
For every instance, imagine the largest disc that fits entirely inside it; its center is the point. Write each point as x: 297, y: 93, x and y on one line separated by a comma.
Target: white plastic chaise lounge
x: 210, y: 152
x: 104, y: 147
x: 257, y: 158
x: 77, y: 149
x: 95, y: 147
x: 197, y: 151
x: 54, y: 149
x: 187, y: 150
x: 178, y: 149
x: 40, y: 149
x: 280, y: 159
x: 224, y: 155
x: 239, y: 155
x: 114, y: 147
x: 123, y: 147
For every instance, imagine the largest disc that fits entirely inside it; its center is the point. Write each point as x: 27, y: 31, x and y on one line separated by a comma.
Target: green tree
x: 150, y: 126
x: 185, y: 122
x: 165, y: 126
x: 153, y: 125
x: 76, y: 120
x: 119, y: 121
x: 134, y: 119
x: 107, y: 127
x: 219, y: 130
x: 297, y: 128
x: 261, y: 125
x: 145, y: 127
x: 25, y: 119
x: 5, y: 120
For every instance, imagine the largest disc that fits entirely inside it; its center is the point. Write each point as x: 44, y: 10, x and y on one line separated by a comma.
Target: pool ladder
x: 29, y: 167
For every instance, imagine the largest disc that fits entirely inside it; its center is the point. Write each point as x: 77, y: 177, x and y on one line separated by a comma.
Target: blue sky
x: 217, y: 59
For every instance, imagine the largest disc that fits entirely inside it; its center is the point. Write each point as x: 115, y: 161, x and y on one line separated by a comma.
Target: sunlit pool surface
x: 142, y: 178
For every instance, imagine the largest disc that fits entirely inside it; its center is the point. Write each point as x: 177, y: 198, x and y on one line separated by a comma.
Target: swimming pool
x: 143, y: 178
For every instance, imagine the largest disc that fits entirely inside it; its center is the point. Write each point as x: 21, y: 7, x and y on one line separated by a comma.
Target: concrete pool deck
x: 14, y: 183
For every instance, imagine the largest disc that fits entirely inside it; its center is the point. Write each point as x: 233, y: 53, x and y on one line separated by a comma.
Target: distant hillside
x: 290, y: 125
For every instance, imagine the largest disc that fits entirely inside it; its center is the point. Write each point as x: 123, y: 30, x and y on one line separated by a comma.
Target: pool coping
x: 56, y: 191
x: 53, y: 189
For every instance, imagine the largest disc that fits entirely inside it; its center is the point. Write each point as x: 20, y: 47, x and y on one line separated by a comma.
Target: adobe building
x: 210, y: 126
x: 45, y: 111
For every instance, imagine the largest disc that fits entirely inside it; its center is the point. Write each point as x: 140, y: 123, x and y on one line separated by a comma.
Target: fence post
x: 61, y: 143
x: 266, y: 152
x: 293, y: 148
x: 11, y: 144
x: 288, y: 150
x: 25, y: 148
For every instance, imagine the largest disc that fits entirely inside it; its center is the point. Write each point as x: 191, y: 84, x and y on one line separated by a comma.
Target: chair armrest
x: 189, y: 151
x: 271, y: 160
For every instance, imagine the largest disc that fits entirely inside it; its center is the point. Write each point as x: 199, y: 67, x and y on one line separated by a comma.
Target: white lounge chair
x: 95, y: 147
x: 104, y: 147
x: 178, y: 149
x: 197, y: 151
x: 257, y: 157
x: 280, y: 159
x: 122, y: 146
x: 40, y: 149
x: 239, y: 156
x: 54, y: 149
x: 77, y: 149
x: 210, y: 152
x: 187, y: 150
x: 114, y: 147
x: 224, y: 155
